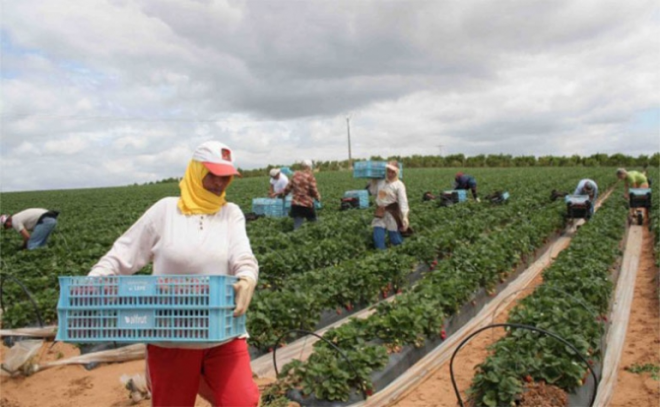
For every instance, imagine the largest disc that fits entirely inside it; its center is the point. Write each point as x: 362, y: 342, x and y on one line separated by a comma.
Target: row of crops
x: 310, y: 276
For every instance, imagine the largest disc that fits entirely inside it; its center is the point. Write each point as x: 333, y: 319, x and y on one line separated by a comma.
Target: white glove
x: 243, y: 290
x: 406, y: 222
x: 478, y: 200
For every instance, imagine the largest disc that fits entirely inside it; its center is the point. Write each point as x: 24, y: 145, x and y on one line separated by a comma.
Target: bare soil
x: 642, y: 344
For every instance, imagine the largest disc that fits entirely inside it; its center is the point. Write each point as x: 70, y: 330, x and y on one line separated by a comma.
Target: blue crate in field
x: 458, y: 195
x: 361, y: 194
x: 372, y: 169
x: 272, y: 207
x: 289, y: 198
x: 149, y: 309
x: 286, y: 171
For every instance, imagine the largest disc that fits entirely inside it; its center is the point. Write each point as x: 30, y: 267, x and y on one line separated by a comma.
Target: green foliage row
x: 419, y: 314
x: 571, y: 302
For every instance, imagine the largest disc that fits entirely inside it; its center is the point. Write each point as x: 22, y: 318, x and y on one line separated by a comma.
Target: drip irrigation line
x: 529, y: 328
x: 306, y: 332
x: 3, y: 277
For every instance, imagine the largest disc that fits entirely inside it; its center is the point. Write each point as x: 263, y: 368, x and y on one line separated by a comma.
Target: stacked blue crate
x: 372, y: 169
x: 362, y: 195
x: 271, y: 207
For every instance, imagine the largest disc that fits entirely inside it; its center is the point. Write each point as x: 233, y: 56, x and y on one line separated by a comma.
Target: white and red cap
x: 393, y: 165
x: 217, y: 158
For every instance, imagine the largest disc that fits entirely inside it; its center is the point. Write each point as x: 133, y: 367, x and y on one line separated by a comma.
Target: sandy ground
x: 642, y: 338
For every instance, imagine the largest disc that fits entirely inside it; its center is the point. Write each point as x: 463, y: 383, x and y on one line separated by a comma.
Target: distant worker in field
x: 632, y: 179
x: 304, y: 189
x: 464, y: 181
x: 198, y: 233
x: 278, y: 182
x: 590, y: 188
x: 392, y: 208
x: 41, y: 222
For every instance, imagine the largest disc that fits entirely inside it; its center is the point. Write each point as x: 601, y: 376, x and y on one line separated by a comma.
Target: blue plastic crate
x: 286, y: 171
x: 271, y: 207
x: 193, y: 308
x: 372, y: 169
x: 361, y: 194
x: 460, y: 193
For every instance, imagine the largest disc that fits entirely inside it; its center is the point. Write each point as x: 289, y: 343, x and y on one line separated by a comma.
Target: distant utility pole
x: 440, y: 147
x: 348, y: 131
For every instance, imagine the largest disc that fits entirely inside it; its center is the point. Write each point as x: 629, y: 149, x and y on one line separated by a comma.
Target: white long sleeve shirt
x: 214, y: 244
x: 183, y: 244
x: 387, y: 193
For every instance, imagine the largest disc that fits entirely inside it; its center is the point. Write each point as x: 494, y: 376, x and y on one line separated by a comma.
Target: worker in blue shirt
x: 590, y: 188
x: 464, y: 181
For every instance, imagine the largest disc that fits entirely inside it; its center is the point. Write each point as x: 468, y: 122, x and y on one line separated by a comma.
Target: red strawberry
x: 369, y: 392
x: 528, y: 379
x: 443, y: 335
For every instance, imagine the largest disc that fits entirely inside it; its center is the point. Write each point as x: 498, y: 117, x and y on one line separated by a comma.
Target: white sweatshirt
x: 183, y: 244
x: 387, y: 193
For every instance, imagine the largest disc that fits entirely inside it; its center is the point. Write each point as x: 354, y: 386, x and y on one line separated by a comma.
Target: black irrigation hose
x: 303, y: 331
x: 530, y: 328
x: 29, y: 294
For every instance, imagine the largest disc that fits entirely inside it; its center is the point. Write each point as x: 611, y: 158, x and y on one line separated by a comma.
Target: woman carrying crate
x: 303, y: 187
x: 198, y: 233
x: 392, y: 207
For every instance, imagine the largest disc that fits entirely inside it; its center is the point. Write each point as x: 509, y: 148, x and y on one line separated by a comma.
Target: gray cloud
x: 129, y: 88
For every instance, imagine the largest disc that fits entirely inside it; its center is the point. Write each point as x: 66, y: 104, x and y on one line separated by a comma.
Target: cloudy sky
x: 101, y: 93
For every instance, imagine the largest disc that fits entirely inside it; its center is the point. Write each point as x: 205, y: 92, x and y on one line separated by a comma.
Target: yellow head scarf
x: 195, y: 200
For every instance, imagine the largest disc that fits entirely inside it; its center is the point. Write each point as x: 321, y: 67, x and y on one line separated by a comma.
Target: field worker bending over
x: 196, y: 233
x: 303, y: 187
x: 41, y: 222
x: 590, y: 188
x: 278, y: 182
x: 632, y: 179
x: 464, y: 181
x: 392, y: 207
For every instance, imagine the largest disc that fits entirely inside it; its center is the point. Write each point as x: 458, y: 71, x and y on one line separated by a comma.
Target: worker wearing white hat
x: 392, y: 207
x: 278, y: 182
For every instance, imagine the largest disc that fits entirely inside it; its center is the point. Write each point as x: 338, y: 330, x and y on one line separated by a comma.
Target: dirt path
x: 642, y: 344
x: 72, y: 385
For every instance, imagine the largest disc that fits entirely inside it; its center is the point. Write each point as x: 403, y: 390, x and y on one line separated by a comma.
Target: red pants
x: 225, y: 373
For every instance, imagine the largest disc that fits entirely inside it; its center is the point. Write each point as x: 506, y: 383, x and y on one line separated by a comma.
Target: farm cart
x: 578, y: 207
x: 639, y: 198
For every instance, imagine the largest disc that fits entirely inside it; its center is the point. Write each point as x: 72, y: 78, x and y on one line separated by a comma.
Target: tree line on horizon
x: 477, y: 161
